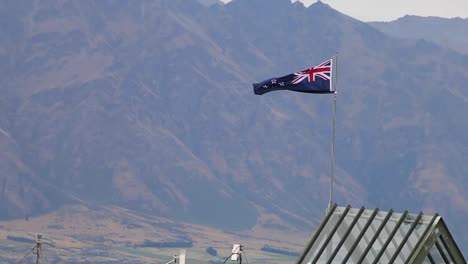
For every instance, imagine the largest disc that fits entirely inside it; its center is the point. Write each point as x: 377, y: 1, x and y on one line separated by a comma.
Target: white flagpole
x: 334, y: 84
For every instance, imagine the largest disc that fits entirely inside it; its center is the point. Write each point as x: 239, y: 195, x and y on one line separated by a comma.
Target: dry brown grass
x: 73, y: 230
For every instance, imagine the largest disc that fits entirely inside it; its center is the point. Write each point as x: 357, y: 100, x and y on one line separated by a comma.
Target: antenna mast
x: 38, y: 249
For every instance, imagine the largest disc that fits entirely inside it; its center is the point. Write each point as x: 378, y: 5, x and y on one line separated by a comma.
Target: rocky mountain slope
x: 148, y: 105
x: 446, y: 32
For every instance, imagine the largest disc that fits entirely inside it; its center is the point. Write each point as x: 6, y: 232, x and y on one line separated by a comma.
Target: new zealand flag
x: 317, y: 79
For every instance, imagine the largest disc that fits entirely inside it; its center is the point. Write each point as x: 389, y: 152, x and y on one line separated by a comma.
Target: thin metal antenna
x: 38, y: 248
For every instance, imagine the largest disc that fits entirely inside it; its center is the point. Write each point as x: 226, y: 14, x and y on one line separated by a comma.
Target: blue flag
x: 317, y: 79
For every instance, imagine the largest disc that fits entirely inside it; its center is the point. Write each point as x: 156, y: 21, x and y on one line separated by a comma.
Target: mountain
x: 148, y: 105
x: 446, y: 32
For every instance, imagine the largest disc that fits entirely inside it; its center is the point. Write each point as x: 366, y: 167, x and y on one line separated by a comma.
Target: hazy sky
x: 385, y: 10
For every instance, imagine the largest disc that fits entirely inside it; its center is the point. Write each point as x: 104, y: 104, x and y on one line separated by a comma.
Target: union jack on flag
x: 318, y: 79
x: 322, y: 71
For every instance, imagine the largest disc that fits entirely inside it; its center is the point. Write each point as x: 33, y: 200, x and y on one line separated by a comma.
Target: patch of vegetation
x: 267, y: 248
x: 171, y: 244
x: 212, y: 251
x: 131, y: 225
x: 55, y: 227
x: 21, y: 239
x: 142, y: 253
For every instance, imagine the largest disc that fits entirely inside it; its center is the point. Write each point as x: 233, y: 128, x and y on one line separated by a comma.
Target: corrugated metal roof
x: 359, y: 235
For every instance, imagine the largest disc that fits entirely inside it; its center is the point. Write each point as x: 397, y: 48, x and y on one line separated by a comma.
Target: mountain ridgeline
x: 446, y: 32
x: 148, y: 105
